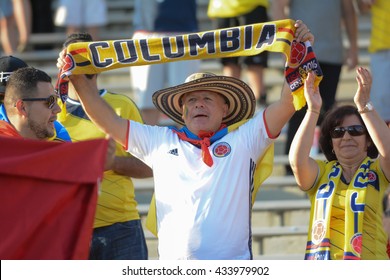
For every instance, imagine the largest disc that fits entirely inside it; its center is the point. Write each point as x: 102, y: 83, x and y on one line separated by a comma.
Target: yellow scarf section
x: 319, y: 243
x: 247, y: 40
x: 263, y: 170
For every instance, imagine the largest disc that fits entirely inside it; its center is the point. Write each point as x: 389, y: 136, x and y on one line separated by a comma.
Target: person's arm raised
x: 305, y: 168
x: 279, y: 112
x: 376, y: 126
x: 100, y: 113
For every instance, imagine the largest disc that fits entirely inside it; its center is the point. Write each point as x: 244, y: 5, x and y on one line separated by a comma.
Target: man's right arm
x: 100, y: 113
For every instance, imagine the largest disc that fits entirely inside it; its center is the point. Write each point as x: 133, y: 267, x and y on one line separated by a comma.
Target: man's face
x: 40, y: 118
x: 203, y: 110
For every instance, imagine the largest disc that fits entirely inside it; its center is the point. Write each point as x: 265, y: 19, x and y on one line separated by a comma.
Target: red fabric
x: 7, y: 129
x: 48, y: 195
x: 388, y: 248
x: 204, y: 144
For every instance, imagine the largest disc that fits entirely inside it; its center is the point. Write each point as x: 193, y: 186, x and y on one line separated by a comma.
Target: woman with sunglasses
x: 346, y: 190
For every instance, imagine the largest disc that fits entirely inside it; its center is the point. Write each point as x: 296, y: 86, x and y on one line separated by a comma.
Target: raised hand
x: 312, y: 94
x: 364, y: 81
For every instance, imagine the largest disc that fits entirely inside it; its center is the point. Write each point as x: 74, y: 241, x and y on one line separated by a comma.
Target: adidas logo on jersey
x: 173, y: 152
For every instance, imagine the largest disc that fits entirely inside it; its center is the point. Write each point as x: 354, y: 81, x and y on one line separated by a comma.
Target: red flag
x: 48, y: 195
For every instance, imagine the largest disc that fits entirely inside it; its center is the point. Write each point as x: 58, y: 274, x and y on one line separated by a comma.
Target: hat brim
x: 241, y: 100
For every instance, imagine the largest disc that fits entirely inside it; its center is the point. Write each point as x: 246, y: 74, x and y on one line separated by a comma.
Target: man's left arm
x: 132, y: 167
x: 128, y: 165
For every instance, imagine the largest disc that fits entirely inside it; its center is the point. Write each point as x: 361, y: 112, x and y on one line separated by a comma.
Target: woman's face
x: 348, y: 147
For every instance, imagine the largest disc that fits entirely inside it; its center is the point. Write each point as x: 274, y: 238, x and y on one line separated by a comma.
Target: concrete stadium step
x: 147, y: 185
x: 259, y: 238
x: 277, y: 206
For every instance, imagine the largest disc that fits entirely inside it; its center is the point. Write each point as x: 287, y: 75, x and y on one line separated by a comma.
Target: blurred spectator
x: 82, y: 15
x: 380, y: 54
x: 7, y: 24
x: 251, y: 13
x: 15, y: 25
x: 42, y: 20
x: 22, y: 10
x: 154, y: 19
x: 326, y: 19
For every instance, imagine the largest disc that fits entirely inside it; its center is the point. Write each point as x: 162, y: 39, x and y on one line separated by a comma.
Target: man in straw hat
x: 204, y: 173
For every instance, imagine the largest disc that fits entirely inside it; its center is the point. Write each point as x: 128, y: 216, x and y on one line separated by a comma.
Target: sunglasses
x: 50, y: 101
x: 353, y: 130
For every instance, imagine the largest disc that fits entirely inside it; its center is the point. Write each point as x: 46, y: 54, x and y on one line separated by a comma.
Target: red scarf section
x: 204, y: 143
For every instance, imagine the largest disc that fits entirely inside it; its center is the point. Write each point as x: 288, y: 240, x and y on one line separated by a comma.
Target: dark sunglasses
x: 353, y: 130
x: 50, y: 101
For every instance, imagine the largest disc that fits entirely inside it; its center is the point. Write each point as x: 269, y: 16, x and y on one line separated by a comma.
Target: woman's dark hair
x: 334, y: 118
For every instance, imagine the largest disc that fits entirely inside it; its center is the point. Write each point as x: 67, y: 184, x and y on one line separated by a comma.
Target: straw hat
x: 238, y: 95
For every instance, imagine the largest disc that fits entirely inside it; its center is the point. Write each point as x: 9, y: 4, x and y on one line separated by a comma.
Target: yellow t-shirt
x: 233, y: 8
x: 380, y: 13
x: 116, y: 201
x: 374, y: 236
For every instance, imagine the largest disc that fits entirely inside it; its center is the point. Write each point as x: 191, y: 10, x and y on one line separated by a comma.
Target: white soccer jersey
x: 202, y: 212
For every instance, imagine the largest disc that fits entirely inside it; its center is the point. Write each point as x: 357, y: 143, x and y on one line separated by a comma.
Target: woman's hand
x: 364, y: 81
x: 312, y: 94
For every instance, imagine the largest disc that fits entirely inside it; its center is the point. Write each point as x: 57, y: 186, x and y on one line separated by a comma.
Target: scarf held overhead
x: 246, y: 40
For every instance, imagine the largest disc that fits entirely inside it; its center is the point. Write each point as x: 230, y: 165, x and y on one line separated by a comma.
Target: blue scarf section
x: 218, y: 135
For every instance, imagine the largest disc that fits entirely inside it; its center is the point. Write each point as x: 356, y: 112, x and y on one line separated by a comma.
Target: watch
x: 368, y: 108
